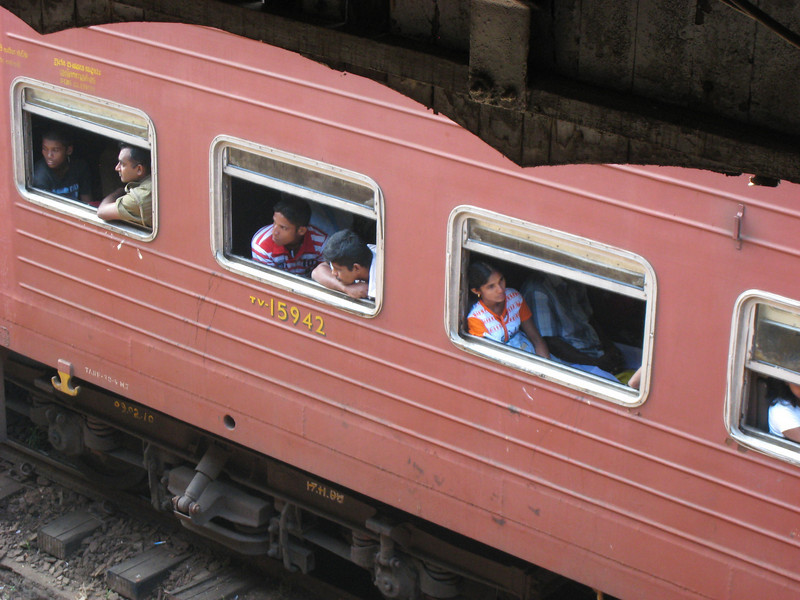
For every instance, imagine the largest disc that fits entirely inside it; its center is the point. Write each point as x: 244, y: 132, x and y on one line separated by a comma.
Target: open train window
x: 66, y: 148
x: 249, y: 181
x: 616, y: 288
x: 764, y: 367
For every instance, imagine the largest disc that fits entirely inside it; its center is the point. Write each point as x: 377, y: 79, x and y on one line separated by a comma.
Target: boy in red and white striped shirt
x: 289, y: 243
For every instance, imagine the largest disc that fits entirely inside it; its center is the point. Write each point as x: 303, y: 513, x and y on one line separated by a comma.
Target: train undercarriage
x: 247, y: 502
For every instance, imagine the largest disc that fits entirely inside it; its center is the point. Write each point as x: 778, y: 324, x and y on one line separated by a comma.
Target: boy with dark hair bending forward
x: 350, y: 266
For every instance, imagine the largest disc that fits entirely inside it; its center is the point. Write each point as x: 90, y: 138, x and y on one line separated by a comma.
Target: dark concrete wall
x: 673, y: 82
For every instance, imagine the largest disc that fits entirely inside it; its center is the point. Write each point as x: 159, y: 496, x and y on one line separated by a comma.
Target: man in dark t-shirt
x: 58, y: 172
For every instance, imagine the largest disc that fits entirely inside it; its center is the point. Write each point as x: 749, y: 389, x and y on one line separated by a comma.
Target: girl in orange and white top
x: 500, y: 313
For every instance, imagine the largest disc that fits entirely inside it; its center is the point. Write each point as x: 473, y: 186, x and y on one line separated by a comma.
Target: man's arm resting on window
x: 323, y: 275
x: 108, y: 206
x: 792, y: 434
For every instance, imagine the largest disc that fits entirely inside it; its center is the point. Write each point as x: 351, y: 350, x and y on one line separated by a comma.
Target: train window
x: 249, y: 180
x: 761, y: 407
x: 615, y: 289
x: 83, y: 135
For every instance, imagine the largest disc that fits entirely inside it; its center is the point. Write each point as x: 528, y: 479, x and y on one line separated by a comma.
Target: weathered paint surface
x: 647, y: 502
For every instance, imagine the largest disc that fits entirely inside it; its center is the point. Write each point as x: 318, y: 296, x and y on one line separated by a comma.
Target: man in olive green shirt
x: 134, y: 202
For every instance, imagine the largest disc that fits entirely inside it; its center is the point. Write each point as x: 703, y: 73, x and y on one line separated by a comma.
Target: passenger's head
x: 56, y: 149
x: 133, y: 163
x: 486, y: 282
x: 290, y: 219
x: 348, y: 255
x: 778, y: 389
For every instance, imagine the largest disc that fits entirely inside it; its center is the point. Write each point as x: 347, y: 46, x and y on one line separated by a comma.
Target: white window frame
x: 744, y: 364
x: 220, y: 225
x: 110, y: 119
x: 641, y: 284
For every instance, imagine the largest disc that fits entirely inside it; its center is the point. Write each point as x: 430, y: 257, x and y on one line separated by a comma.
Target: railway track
x: 63, y: 537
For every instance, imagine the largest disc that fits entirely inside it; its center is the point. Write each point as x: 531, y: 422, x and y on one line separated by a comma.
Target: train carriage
x: 280, y: 417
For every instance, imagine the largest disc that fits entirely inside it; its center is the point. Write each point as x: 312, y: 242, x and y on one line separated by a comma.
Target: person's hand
x: 357, y: 290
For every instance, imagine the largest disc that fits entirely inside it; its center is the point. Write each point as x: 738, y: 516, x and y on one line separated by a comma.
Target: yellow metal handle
x: 63, y: 382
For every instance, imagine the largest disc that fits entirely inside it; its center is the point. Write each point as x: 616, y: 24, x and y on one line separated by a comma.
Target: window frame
x: 743, y: 367
x: 582, y: 250
x: 24, y: 156
x: 245, y: 266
